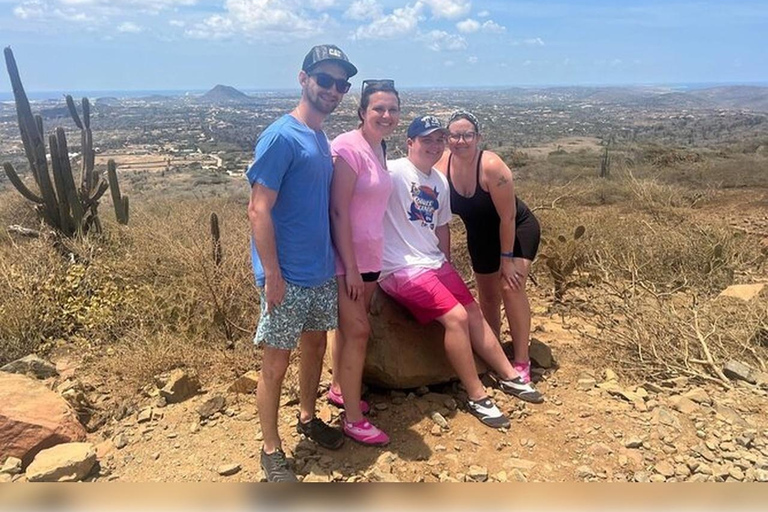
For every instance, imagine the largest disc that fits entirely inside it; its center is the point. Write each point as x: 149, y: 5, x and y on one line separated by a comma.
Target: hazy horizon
x: 139, y: 93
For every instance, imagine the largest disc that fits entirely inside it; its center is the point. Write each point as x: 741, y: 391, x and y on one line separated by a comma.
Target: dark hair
x: 464, y: 114
x: 374, y: 87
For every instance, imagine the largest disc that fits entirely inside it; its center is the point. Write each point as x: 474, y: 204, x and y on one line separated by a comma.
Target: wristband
x: 507, y: 255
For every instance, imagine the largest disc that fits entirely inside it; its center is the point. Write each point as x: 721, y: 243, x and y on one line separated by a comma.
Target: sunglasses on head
x: 326, y: 81
x: 384, y: 84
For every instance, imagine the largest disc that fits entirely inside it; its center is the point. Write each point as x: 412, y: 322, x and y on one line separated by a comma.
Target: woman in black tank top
x: 502, y: 233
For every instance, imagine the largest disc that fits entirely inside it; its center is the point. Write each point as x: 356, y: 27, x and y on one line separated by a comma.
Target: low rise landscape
x: 651, y: 327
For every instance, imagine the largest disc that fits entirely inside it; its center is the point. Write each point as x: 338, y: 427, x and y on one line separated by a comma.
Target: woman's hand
x: 355, y: 286
x: 514, y: 271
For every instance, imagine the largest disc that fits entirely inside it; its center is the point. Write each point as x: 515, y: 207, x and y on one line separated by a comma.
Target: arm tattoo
x: 502, y: 181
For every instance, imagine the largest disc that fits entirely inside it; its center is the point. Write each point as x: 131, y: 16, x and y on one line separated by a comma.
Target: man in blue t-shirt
x: 293, y: 260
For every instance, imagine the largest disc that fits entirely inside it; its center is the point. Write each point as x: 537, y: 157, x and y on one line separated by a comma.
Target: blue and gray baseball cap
x: 328, y: 52
x: 423, y: 126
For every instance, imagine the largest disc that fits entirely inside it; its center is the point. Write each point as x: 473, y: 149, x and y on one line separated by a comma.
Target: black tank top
x: 478, y: 211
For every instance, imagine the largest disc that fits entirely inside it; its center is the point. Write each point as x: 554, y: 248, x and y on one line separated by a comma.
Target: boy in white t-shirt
x: 417, y: 273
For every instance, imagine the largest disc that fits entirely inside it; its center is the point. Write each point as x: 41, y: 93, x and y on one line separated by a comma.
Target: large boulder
x: 32, y: 418
x: 403, y: 353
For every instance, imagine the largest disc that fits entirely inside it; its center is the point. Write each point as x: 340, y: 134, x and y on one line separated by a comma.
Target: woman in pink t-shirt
x: 359, y: 194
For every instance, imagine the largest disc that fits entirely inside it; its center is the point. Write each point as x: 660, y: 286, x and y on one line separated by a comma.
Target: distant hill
x: 109, y: 101
x: 736, y: 96
x: 225, y: 94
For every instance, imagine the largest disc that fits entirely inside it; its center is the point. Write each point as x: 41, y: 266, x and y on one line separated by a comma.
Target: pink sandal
x: 338, y: 400
x: 365, y: 433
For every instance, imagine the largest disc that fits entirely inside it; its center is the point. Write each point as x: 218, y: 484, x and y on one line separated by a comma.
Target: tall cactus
x: 68, y: 207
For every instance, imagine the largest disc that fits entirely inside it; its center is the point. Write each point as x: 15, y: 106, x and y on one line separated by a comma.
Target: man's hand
x: 274, y: 290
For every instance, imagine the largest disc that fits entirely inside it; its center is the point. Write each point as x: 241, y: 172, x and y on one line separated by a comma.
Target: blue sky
x: 259, y: 44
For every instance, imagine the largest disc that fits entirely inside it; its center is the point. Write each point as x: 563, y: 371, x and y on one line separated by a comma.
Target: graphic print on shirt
x: 424, y: 205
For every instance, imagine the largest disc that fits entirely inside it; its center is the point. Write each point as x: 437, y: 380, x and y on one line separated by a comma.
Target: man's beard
x: 320, y: 105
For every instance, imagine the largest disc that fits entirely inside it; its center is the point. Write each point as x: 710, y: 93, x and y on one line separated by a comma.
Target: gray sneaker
x: 275, y: 467
x: 487, y: 412
x: 321, y: 433
x: 522, y: 390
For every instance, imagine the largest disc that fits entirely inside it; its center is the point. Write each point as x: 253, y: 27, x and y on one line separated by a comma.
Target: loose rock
x: 33, y: 366
x: 144, y: 415
x: 246, y: 383
x: 665, y: 469
x: 211, y: 406
x: 228, y: 469
x: 120, y: 440
x: 541, y: 354
x: 11, y: 466
x: 178, y: 385
x: 683, y: 404
x: 440, y: 420
x: 738, y: 371
x: 68, y: 462
x: 698, y: 395
x: 523, y: 464
x: 477, y: 474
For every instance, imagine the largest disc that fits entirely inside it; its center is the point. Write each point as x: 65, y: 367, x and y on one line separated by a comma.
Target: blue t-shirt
x: 295, y: 161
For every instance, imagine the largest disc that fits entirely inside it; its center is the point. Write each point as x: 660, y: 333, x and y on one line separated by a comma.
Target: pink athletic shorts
x: 430, y: 294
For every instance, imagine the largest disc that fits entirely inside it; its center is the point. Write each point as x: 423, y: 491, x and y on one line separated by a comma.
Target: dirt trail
x: 580, y: 433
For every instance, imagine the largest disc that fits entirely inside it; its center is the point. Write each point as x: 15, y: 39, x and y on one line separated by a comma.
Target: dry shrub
x: 669, y: 254
x: 33, y: 280
x: 153, y: 276
x: 130, y: 365
x: 656, y: 336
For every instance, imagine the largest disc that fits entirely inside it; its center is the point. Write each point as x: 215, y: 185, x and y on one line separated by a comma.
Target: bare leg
x: 518, y: 310
x: 489, y: 297
x: 486, y: 345
x: 491, y: 289
x: 274, y: 363
x: 310, y: 366
x: 354, y: 326
x: 459, y: 350
x: 336, y: 350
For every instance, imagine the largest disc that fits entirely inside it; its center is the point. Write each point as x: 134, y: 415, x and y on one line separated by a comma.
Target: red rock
x: 33, y: 418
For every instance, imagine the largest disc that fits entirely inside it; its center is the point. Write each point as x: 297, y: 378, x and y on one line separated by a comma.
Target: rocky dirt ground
x: 592, y: 427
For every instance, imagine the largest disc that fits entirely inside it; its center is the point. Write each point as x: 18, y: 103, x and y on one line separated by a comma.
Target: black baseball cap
x: 328, y: 52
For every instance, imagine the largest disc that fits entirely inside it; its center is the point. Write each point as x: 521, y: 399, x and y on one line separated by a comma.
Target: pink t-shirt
x: 369, y: 200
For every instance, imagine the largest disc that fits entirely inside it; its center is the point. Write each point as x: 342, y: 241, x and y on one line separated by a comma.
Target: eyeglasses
x: 384, y: 84
x: 467, y: 136
x: 327, y: 81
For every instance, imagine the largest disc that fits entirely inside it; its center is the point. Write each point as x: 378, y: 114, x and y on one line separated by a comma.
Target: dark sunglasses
x: 326, y: 81
x: 384, y: 84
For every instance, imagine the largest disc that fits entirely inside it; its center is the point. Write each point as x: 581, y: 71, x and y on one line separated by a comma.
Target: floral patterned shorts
x: 302, y: 309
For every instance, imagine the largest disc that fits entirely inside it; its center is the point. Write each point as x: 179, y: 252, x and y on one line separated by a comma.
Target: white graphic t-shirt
x: 417, y: 205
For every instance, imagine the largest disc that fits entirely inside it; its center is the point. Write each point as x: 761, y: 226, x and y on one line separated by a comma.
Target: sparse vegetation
x: 658, y: 238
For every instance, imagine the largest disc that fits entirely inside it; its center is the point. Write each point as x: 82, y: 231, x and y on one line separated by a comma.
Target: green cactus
x: 563, y: 256
x: 120, y: 201
x: 67, y: 207
x: 605, y: 163
x: 216, y: 239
